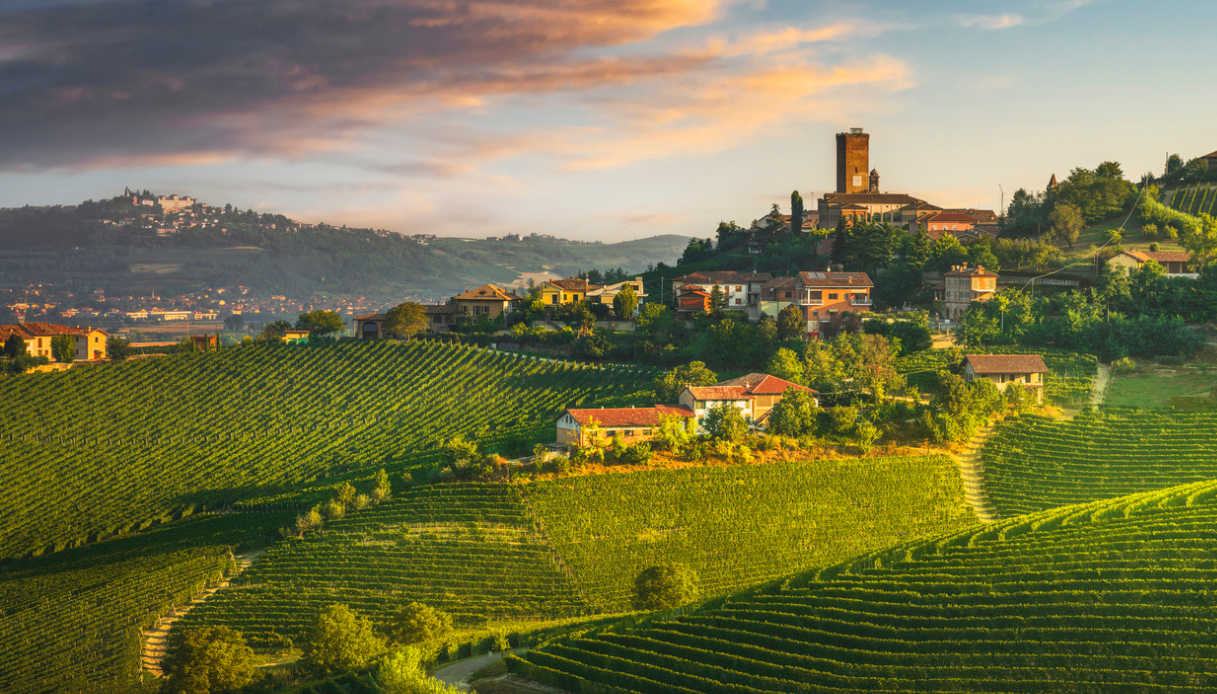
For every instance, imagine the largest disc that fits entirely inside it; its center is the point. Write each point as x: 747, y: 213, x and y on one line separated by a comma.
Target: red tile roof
x: 964, y: 271
x: 628, y: 416
x: 719, y: 392
x: 745, y: 387
x: 951, y: 217
x: 1210, y: 155
x: 573, y: 285
x: 372, y: 316
x: 1162, y: 256
x: 1007, y: 363
x: 487, y: 292
x: 871, y: 198
x: 724, y: 277
x: 27, y: 330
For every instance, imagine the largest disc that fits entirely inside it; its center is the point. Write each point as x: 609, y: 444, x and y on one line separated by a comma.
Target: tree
x: 14, y: 346
x: 791, y: 323
x: 207, y: 660
x: 669, y: 386
x: 1174, y: 164
x: 785, y: 364
x: 1201, y: 241
x: 404, y: 320
x: 118, y: 348
x: 718, y: 298
x: 724, y: 421
x: 867, y: 434
x: 63, y: 348
x: 234, y: 322
x: 981, y: 254
x: 274, y: 332
x: 458, y: 451
x: 402, y: 672
x: 625, y: 302
x: 841, y: 242
x: 417, y: 623
x: 1067, y: 222
x: 339, y: 641
x: 320, y: 323
x: 953, y: 398
x: 664, y: 587
x: 795, y: 414
x: 796, y: 213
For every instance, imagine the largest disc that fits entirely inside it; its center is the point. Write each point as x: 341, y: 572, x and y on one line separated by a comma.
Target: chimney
x: 963, y: 267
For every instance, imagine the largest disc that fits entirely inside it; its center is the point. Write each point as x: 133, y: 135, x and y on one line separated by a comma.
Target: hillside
x: 1105, y: 597
x: 110, y: 245
x: 573, y: 545
x: 116, y: 448
x: 1036, y: 463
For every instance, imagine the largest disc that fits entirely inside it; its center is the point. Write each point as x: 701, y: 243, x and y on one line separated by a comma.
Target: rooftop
x: 1007, y: 363
x: 835, y: 279
x: 628, y: 416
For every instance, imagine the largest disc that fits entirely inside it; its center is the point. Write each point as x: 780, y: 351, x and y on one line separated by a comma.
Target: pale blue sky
x: 586, y: 119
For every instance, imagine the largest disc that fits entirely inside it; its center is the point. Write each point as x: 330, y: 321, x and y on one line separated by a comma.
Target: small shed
x: 296, y: 337
x: 1027, y: 370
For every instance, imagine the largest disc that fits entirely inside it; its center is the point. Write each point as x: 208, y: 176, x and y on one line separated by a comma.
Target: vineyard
x: 1113, y: 596
x: 471, y: 550
x: 93, y: 452
x: 736, y: 526
x: 1193, y: 199
x: 72, y: 621
x: 1035, y: 463
x: 1069, y: 382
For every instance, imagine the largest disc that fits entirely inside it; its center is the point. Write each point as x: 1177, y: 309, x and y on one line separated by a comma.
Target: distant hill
x: 134, y: 246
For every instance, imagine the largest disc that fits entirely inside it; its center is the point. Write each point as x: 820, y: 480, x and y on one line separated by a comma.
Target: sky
x: 588, y: 120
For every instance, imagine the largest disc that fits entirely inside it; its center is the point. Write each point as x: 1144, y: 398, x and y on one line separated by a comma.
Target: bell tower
x: 853, y: 161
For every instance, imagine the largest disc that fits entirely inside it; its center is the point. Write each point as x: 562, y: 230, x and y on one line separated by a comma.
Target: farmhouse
x: 755, y: 395
x: 487, y: 301
x: 1175, y: 263
x: 963, y: 285
x: 90, y: 343
x: 567, y: 291
x: 605, y: 294
x: 1027, y: 370
x: 370, y: 327
x: 635, y: 424
x: 742, y: 290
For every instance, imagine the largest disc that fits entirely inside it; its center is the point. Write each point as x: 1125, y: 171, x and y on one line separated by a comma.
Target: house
x: 487, y: 301
x: 440, y: 317
x: 953, y: 223
x: 1211, y: 160
x: 207, y: 343
x: 963, y: 285
x: 755, y: 395
x: 635, y: 424
x: 370, y: 326
x: 822, y: 295
x: 917, y: 211
x: 987, y: 217
x: 777, y: 294
x: 1175, y: 263
x: 864, y: 206
x: 741, y: 289
x: 90, y: 343
x: 690, y: 300
x: 1027, y: 370
x: 566, y: 291
x: 295, y: 337
x: 606, y: 293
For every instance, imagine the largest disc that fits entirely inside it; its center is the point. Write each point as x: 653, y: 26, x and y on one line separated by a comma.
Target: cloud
x: 991, y: 22
x: 1040, y: 14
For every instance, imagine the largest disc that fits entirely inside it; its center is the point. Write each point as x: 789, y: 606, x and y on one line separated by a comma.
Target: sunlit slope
x: 89, y: 452
x: 736, y: 526
x: 471, y: 550
x: 1037, y: 463
x: 1113, y: 596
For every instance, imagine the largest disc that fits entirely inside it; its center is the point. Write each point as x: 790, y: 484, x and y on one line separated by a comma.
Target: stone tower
x: 853, y: 161
x: 874, y: 181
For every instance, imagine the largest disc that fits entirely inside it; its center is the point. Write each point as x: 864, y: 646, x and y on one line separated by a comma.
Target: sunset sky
x: 590, y: 120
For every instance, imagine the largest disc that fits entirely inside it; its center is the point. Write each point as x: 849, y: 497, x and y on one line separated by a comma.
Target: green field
x: 92, y: 452
x: 72, y: 621
x: 1112, y: 596
x: 471, y: 550
x: 1153, y: 386
x: 739, y: 525
x: 1035, y: 463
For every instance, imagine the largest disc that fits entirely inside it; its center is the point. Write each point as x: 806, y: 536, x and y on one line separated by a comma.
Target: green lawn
x: 1155, y: 387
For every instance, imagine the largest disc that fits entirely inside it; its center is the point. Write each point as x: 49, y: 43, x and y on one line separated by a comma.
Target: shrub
x: 418, y: 623
x: 664, y: 587
x: 211, y: 660
x: 339, y: 641
x: 724, y: 421
x: 1123, y: 366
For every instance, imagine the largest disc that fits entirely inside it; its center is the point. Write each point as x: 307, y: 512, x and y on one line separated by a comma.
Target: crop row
x: 736, y: 526
x: 134, y: 443
x: 1035, y: 463
x: 1105, y: 597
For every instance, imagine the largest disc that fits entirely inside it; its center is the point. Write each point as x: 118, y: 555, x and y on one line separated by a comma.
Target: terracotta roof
x: 853, y: 206
x: 835, y: 279
x: 1210, y: 155
x: 762, y: 384
x: 1007, y: 364
x: 571, y: 284
x: 964, y: 271
x: 871, y: 198
x: 779, y: 282
x: 951, y: 217
x: 487, y: 292
x: 1162, y: 256
x: 51, y: 330
x: 372, y: 316
x: 985, y: 215
x: 8, y: 330
x: 439, y: 309
x: 719, y: 392
x: 628, y: 416
x: 723, y: 277
x: 923, y: 205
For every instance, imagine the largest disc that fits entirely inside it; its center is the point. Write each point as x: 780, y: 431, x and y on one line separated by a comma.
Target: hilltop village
x: 741, y: 470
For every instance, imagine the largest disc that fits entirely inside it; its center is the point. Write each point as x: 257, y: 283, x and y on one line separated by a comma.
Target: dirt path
x: 1102, y: 380
x: 456, y: 673
x: 155, y: 640
x: 972, y: 469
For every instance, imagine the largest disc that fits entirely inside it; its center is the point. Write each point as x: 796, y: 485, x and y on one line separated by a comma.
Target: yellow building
x: 90, y: 343
x: 567, y: 291
x: 487, y: 301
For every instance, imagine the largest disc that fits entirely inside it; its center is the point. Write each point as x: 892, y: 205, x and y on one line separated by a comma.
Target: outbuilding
x: 1027, y: 370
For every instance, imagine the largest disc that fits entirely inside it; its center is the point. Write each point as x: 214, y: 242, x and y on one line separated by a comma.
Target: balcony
x: 860, y: 301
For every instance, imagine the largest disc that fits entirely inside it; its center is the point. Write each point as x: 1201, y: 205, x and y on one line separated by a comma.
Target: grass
x: 1134, y: 239
x: 1153, y: 386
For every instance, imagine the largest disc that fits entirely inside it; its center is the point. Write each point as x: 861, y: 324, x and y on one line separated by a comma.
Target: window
x: 738, y: 289
x: 788, y: 294
x: 629, y: 432
x: 554, y: 299
x: 815, y: 313
x: 738, y: 302
x: 833, y: 296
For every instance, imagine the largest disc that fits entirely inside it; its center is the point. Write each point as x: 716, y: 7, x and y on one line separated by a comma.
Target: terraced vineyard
x: 134, y: 443
x: 471, y: 550
x: 1070, y: 379
x: 1034, y: 463
x: 1111, y: 596
x: 72, y: 621
x: 740, y: 525
x: 1192, y: 199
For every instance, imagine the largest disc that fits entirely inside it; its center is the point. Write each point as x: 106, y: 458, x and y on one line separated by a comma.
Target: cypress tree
x: 796, y: 213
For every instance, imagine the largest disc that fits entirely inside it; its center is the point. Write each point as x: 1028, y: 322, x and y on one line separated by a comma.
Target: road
x: 454, y: 673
